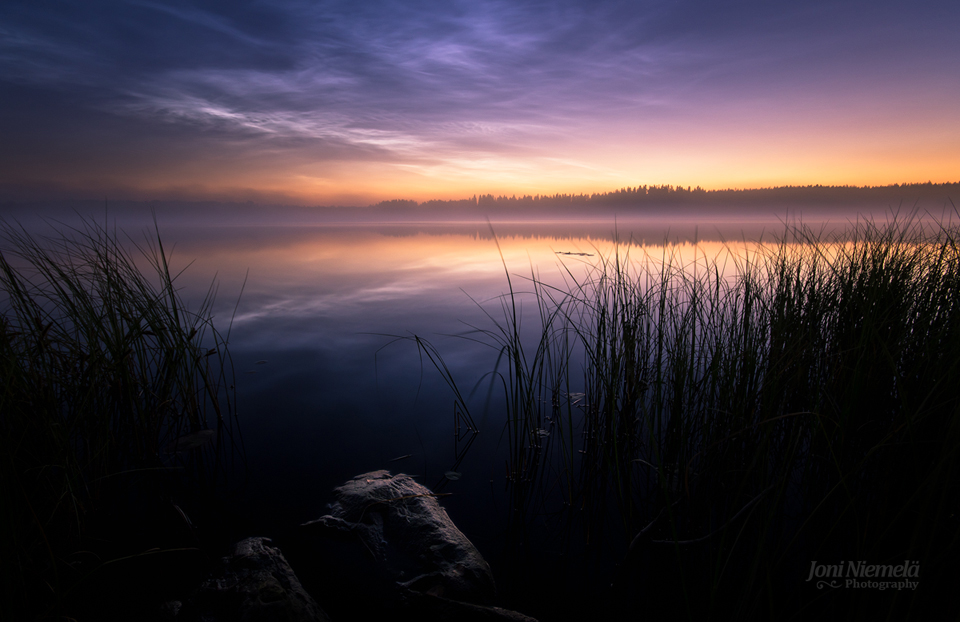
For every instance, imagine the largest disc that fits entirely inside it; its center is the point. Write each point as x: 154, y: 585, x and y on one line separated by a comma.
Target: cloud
x: 459, y: 88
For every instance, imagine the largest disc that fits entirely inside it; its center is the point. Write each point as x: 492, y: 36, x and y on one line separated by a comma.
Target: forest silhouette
x: 656, y: 196
x: 654, y: 201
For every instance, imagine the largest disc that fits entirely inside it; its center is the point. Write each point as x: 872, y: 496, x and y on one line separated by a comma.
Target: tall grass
x: 111, y: 390
x: 737, y: 427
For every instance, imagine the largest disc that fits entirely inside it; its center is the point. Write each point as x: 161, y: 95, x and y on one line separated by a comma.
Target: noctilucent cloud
x: 320, y: 102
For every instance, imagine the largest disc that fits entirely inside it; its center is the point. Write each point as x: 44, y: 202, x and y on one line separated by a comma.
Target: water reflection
x: 329, y: 383
x: 323, y: 303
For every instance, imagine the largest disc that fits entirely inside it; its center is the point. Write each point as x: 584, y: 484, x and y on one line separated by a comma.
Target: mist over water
x: 329, y: 382
x: 324, y: 301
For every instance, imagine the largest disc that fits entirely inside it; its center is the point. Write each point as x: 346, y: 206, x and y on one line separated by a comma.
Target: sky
x: 349, y: 103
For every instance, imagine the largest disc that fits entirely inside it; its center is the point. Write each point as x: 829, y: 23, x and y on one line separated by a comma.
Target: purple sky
x: 354, y: 102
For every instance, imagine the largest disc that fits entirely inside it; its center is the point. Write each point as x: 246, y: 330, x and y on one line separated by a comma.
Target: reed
x: 112, y: 390
x: 729, y: 429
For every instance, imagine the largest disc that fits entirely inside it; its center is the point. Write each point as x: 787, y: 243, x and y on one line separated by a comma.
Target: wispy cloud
x: 463, y: 89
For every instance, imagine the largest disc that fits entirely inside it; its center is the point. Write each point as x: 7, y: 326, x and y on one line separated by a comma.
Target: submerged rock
x: 412, y: 541
x: 255, y: 584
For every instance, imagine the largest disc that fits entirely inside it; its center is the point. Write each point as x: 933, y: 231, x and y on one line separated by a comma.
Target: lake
x: 343, y: 390
x: 330, y: 381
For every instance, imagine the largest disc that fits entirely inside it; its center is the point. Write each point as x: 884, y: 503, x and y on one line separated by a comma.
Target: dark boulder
x: 410, y: 538
x: 254, y: 584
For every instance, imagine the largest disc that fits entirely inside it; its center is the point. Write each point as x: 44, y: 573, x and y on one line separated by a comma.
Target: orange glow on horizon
x: 595, y: 158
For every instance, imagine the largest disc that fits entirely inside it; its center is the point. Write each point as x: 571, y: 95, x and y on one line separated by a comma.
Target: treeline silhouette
x: 667, y: 195
x: 657, y: 201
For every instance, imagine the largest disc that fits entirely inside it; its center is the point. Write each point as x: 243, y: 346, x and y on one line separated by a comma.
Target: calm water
x: 331, y: 308
x: 340, y: 394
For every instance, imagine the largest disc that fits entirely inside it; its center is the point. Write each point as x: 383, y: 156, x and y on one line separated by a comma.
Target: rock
x: 254, y: 584
x: 168, y: 610
x: 422, y: 607
x: 414, y: 543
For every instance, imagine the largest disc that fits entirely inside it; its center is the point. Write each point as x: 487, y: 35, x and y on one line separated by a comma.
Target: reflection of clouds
x: 327, y: 287
x: 331, y: 305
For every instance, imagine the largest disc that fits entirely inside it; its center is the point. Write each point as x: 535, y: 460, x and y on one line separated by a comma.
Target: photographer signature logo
x: 860, y: 574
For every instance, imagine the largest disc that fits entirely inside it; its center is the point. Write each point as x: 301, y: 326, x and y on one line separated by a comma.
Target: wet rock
x: 255, y: 584
x: 413, y: 544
